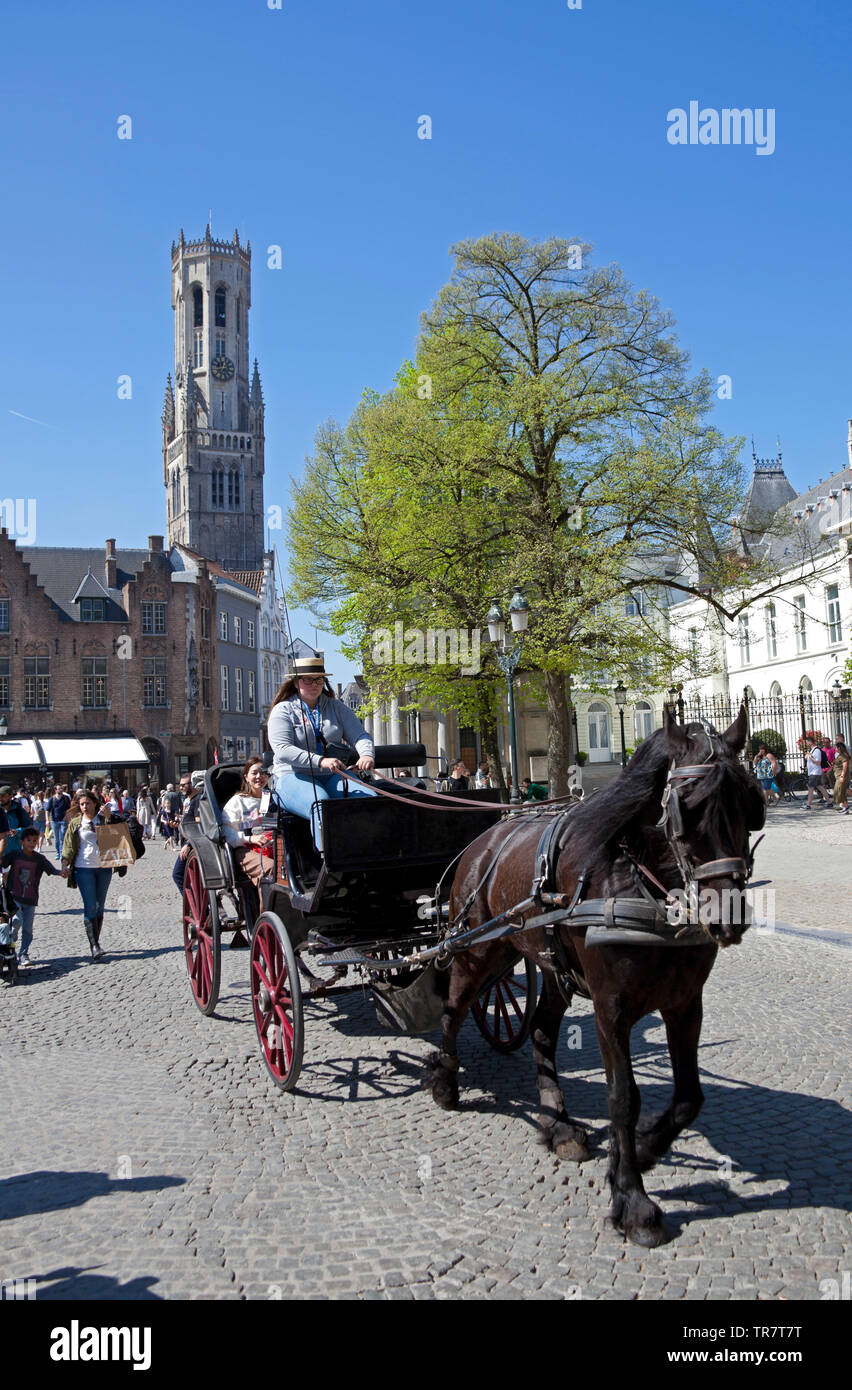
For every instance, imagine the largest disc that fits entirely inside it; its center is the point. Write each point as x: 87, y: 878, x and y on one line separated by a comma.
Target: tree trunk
x: 492, y: 752
x: 558, y: 732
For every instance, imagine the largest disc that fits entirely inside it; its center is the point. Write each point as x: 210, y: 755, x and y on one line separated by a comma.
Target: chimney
x: 111, y: 565
x: 155, y: 546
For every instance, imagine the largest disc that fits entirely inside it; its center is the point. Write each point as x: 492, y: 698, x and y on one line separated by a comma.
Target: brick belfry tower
x: 213, y: 415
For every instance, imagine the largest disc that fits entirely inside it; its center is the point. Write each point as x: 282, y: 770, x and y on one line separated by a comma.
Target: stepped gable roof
x: 63, y: 570
x: 251, y: 579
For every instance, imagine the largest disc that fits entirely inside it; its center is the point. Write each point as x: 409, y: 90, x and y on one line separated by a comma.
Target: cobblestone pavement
x: 146, y: 1154
x: 808, y: 857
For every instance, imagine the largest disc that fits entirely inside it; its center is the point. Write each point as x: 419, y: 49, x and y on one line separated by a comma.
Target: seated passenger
x: 304, y: 719
x: 241, y: 818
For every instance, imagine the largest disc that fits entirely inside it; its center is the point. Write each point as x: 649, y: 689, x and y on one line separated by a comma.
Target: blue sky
x: 299, y: 127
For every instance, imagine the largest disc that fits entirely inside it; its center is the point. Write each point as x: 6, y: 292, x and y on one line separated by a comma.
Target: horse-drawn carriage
x: 348, y: 918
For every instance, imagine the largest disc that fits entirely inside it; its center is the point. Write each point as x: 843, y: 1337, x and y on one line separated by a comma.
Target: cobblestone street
x: 147, y: 1155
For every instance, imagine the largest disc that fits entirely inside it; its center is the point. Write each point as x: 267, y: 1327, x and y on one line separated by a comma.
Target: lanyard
x: 316, y: 723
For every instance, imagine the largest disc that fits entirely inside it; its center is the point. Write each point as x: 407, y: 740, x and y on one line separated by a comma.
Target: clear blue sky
x: 299, y: 127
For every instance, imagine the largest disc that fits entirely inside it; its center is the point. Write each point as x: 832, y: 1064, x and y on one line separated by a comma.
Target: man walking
x: 815, y: 764
x: 58, y: 810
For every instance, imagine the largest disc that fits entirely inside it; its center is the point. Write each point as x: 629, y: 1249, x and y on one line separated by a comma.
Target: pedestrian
x: 81, y: 854
x: 533, y: 791
x: 459, y: 778
x: 815, y: 767
x: 25, y: 868
x: 38, y: 814
x: 164, y: 815
x: 842, y: 770
x: 145, y: 812
x: 482, y: 780
x: 191, y: 785
x: 17, y: 817
x: 765, y: 770
x: 828, y: 764
x: 60, y: 804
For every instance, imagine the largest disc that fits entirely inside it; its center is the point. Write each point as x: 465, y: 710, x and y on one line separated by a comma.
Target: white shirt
x: 240, y: 817
x: 88, y: 854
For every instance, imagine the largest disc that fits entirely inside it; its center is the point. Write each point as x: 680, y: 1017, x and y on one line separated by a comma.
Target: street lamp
x: 507, y: 660
x: 620, y: 694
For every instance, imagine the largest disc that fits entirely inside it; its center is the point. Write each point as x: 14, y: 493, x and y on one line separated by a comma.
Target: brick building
x: 97, y: 646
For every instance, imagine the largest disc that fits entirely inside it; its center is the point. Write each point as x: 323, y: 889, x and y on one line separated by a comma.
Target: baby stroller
x: 8, y: 954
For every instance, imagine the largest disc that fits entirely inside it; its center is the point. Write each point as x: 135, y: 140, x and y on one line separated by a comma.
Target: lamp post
x: 507, y: 660
x: 620, y: 694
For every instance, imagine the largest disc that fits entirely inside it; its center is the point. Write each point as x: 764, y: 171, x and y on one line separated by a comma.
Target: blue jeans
x: 23, y: 918
x: 93, y: 885
x: 296, y: 792
x: 58, y: 836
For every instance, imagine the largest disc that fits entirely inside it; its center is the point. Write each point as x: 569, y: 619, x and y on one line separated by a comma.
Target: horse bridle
x: 671, y: 823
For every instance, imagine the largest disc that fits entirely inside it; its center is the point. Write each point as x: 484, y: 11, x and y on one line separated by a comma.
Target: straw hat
x: 308, y: 666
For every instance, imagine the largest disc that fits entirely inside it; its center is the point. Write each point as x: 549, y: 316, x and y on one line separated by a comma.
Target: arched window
x: 599, y: 739
x: 234, y: 490
x: 643, y: 720
x: 267, y: 681
x: 198, y: 307
x: 175, y: 493
x: 217, y: 482
x: 220, y: 308
x: 264, y: 629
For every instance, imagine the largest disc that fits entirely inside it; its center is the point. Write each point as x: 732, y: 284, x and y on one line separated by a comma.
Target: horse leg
x: 632, y: 1212
x: 467, y: 975
x: 655, y: 1133
x: 556, y: 1129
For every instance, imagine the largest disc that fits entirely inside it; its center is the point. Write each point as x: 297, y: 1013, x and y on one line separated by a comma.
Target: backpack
x: 823, y: 758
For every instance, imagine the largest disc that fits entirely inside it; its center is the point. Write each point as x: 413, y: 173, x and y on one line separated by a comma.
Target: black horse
x: 692, y: 777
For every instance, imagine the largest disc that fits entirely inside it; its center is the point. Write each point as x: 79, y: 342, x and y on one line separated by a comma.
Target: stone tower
x: 213, y: 414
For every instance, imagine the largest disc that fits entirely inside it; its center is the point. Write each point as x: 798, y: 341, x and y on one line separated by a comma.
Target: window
x: 771, y: 632
x: 217, y: 487
x: 94, y: 682
x: 276, y: 639
x: 227, y: 748
x: 267, y: 682
x: 835, y: 630
x: 693, y: 651
x: 238, y: 689
x: 197, y: 307
x: 92, y: 610
x: 264, y: 633
x: 251, y: 693
x: 223, y: 626
x: 153, y: 619
x: 241, y: 748
x: 220, y: 309
x: 643, y: 720
x: 249, y: 633
x: 4, y: 682
x: 205, y: 621
x: 198, y: 350
x: 154, y: 681
x: 799, y: 623
x: 220, y: 346
x: 223, y: 687
x: 238, y: 631
x: 205, y: 681
x: 635, y: 605
x: 36, y: 682
x: 4, y: 615
x: 744, y: 640
x: 233, y: 489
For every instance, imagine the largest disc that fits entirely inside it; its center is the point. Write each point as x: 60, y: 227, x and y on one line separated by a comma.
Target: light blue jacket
x: 293, y: 741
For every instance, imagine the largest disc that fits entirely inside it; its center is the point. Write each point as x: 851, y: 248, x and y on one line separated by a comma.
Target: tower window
x: 197, y: 307
x: 238, y: 315
x: 233, y: 490
x: 220, y: 346
x: 220, y: 308
x: 198, y: 350
x: 217, y: 481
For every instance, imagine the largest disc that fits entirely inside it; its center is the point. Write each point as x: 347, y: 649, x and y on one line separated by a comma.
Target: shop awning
x: 19, y: 752
x: 92, y: 752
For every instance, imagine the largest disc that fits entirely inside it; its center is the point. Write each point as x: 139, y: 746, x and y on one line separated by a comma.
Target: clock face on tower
x: 222, y: 368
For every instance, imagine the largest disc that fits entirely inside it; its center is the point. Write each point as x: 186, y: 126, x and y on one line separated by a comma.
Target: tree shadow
x: 28, y: 1194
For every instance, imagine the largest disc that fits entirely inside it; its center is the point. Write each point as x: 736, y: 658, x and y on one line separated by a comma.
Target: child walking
x: 25, y: 868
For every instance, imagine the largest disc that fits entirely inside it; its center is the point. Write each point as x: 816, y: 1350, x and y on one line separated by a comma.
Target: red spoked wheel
x: 276, y: 997
x: 503, y: 1011
x: 201, y: 939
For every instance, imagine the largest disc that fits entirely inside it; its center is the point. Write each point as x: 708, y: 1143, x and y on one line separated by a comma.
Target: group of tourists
x: 829, y: 764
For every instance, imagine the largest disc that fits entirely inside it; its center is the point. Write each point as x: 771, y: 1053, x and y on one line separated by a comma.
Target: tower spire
x: 168, y: 416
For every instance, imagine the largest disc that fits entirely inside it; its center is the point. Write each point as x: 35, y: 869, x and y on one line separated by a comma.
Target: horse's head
x: 710, y: 804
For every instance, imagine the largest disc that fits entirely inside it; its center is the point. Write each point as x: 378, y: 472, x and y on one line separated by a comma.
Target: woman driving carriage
x: 304, y: 722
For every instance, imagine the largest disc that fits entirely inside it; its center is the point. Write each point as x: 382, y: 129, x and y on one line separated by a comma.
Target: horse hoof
x: 572, y: 1150
x: 649, y: 1236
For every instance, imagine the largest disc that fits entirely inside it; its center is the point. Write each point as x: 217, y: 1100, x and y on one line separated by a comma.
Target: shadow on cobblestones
x: 71, y: 1282
x: 26, y: 1194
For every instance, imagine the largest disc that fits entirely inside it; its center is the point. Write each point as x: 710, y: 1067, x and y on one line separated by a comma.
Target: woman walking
x: 842, y: 769
x: 145, y: 812
x: 81, y: 854
x: 39, y: 816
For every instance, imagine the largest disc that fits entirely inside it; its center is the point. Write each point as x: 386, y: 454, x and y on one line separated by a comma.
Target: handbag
x: 342, y: 751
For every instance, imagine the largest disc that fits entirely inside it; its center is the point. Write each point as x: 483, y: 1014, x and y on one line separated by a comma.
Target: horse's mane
x: 594, y: 826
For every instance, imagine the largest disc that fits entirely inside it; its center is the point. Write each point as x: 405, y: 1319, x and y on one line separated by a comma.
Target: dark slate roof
x: 61, y: 569
x: 811, y: 512
x: 769, y: 490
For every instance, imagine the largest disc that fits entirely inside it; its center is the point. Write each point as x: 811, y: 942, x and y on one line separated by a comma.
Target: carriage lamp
x: 837, y: 692
x: 620, y: 696
x: 507, y: 660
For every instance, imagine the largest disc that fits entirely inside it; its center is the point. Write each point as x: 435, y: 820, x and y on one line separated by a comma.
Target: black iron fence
x: 789, y: 717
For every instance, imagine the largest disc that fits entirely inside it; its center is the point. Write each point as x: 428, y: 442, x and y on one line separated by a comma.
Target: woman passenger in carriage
x: 305, y: 718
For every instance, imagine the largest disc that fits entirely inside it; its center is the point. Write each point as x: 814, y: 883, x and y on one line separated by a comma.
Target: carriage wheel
x: 276, y: 997
x: 201, y: 939
x: 503, y: 1012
